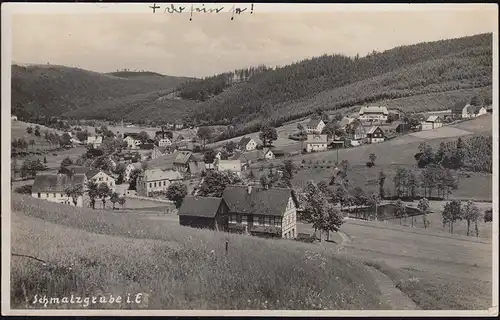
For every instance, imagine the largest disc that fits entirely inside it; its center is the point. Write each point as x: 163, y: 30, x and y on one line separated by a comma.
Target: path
x: 391, y: 295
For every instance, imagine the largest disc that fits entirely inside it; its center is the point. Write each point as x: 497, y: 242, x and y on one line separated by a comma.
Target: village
x: 134, y: 165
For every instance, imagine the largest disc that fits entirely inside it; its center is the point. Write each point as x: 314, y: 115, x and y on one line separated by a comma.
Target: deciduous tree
x: 176, y: 192
x: 267, y: 135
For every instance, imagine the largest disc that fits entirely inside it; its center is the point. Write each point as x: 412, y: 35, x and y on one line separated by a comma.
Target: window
x: 155, y: 184
x: 261, y: 219
x: 106, y: 178
x: 48, y: 194
x: 150, y: 184
x: 238, y: 218
x: 164, y: 183
x: 39, y: 195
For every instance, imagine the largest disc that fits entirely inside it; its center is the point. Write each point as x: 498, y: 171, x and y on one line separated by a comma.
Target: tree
x: 37, y: 131
x: 267, y: 135
x: 114, y: 199
x: 74, y: 192
x: 452, y: 212
x: 204, y: 134
x: 209, y: 156
x: 104, y: 192
x: 391, y: 117
x: 341, y: 195
x: 344, y: 164
x: 381, y: 181
x: 122, y: 201
x: 92, y: 192
x: 32, y: 143
x: 359, y: 196
x: 425, y: 155
x: 215, y: 182
x: 471, y: 214
x: 374, y: 201
x: 400, y: 211
x: 230, y: 146
x: 224, y: 155
x: 424, y: 207
x: 64, y: 164
x: 44, y: 159
x: 176, y: 192
x: 251, y: 175
x: 133, y: 179
x: 488, y: 215
x: 65, y: 140
x: 412, y: 183
x: 29, y: 130
x: 334, y: 220
x: 82, y: 135
x: 300, y: 127
x: 372, y: 158
x: 143, y: 136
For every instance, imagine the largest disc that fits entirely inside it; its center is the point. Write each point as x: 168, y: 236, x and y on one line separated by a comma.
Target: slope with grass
x: 177, y: 267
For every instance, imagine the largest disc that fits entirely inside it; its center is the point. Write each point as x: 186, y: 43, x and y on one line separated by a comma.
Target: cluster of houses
x: 260, y: 211
x: 52, y: 187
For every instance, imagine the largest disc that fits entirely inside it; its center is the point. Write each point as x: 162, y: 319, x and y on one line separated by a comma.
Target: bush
x: 26, y: 189
x: 488, y: 216
x: 369, y: 164
x: 54, y: 154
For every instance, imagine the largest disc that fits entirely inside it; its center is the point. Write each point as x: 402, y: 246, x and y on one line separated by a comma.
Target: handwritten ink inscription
x: 173, y: 9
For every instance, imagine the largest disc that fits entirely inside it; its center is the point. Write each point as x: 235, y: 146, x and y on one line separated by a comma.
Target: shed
x: 203, y: 212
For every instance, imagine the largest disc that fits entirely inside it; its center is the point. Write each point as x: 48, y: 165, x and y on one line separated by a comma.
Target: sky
x: 171, y: 44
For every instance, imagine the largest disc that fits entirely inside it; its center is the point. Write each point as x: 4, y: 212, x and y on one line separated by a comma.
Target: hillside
x: 247, y: 98
x: 177, y: 267
x: 51, y: 90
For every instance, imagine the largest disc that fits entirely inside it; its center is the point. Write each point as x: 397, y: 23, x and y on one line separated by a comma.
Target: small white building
x: 156, y: 180
x: 373, y: 114
x: 13, y: 118
x: 95, y: 141
x: 247, y: 144
x: 52, y: 187
x: 164, y: 142
x: 132, y: 140
x: 268, y: 154
x: 375, y: 134
x: 99, y: 177
x: 315, y: 126
x: 316, y: 142
x: 229, y: 165
x: 432, y: 122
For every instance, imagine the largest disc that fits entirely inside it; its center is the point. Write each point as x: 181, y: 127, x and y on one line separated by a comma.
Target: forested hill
x: 403, y: 71
x: 52, y: 90
x: 247, y: 98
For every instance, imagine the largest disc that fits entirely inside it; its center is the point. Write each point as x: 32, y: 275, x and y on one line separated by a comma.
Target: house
x: 52, y: 187
x: 247, y: 144
x: 156, y: 180
x: 315, y: 126
x: 74, y: 169
x: 432, y: 122
x: 229, y: 165
x: 403, y: 128
x: 459, y: 110
x: 146, y: 146
x: 355, y: 130
x: 164, y: 142
x: 132, y: 140
x: 196, y: 168
x: 98, y: 176
x: 268, y: 154
x: 316, y: 142
x: 375, y: 134
x: 13, y: 118
x: 247, y: 158
x: 178, y: 126
x: 158, y: 152
x: 95, y: 141
x: 344, y: 122
x: 261, y: 211
x: 373, y: 114
x: 476, y: 111
x: 489, y: 109
x: 204, y: 212
x: 181, y: 160
x: 131, y: 167
x: 218, y: 155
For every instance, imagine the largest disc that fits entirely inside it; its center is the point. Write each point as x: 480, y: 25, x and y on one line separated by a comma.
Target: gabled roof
x: 345, y: 121
x: 432, y: 119
x: 131, y: 134
x: 182, y: 157
x: 373, y: 129
x: 253, y: 155
x: 161, y: 149
x: 313, y: 123
x: 78, y: 169
x: 474, y: 109
x: 458, y: 107
x: 158, y: 174
x: 196, y: 206
x: 92, y: 173
x: 317, y: 138
x: 261, y: 201
x: 373, y: 109
x: 197, y: 167
x: 244, y: 141
x: 56, y: 182
x: 266, y: 150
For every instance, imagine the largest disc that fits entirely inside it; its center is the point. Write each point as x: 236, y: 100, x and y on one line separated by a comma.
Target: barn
x: 203, y: 212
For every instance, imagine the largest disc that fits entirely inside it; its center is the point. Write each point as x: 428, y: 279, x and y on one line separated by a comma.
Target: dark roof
x: 313, y: 123
x: 56, y: 182
x: 131, y: 134
x: 474, y: 109
x: 78, y: 169
x: 261, y: 201
x: 91, y: 173
x: 147, y: 146
x: 244, y: 141
x: 197, y: 206
x: 458, y: 107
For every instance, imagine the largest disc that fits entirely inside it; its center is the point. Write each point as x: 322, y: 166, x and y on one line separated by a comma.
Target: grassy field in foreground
x: 176, y: 267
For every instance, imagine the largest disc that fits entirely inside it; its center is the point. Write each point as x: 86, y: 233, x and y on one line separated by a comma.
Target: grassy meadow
x: 129, y: 255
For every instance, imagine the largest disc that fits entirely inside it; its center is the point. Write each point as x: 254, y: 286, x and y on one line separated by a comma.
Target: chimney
x: 249, y: 189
